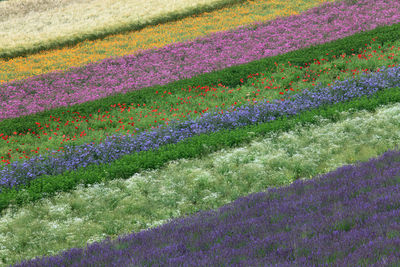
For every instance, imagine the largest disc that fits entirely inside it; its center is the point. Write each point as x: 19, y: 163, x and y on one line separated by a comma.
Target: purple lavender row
x: 114, y: 147
x: 342, y: 218
x: 325, y: 23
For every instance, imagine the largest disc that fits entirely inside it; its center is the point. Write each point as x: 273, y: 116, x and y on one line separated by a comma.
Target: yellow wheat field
x: 150, y: 37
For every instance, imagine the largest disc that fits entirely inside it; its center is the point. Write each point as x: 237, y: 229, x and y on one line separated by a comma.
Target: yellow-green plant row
x: 183, y: 187
x: 63, y: 24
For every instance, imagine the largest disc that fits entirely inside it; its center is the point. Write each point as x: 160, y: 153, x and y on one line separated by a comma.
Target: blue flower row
x: 114, y: 147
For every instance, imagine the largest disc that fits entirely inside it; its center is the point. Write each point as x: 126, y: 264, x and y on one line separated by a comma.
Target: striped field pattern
x: 200, y: 133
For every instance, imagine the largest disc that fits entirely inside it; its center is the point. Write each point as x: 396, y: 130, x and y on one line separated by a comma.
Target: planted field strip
x: 282, y: 84
x: 150, y: 37
x: 115, y: 147
x: 184, y: 187
x: 335, y: 218
x: 221, y: 50
x: 250, y: 109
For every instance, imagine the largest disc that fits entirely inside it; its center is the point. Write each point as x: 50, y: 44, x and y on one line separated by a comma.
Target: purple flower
x: 347, y: 217
x: 177, y: 61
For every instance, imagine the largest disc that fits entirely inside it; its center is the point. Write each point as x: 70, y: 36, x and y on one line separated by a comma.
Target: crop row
x: 356, y: 206
x: 114, y: 147
x: 175, y: 62
x: 348, y: 217
x: 159, y: 35
x: 88, y: 214
x: 232, y: 76
x: 128, y: 164
x: 195, y: 101
x: 92, y: 121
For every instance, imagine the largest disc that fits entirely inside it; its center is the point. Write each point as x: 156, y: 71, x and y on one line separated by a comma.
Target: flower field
x: 264, y: 140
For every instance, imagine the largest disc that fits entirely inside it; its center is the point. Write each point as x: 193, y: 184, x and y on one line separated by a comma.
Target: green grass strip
x: 192, y: 147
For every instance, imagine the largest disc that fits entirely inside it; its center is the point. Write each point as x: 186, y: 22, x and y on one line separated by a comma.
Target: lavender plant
x: 348, y: 217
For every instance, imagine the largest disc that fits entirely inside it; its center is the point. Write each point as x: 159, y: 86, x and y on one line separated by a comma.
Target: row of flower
x: 348, y: 217
x: 127, y: 43
x: 163, y: 105
x: 116, y: 146
x: 174, y: 62
x: 357, y: 207
x: 136, y: 202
